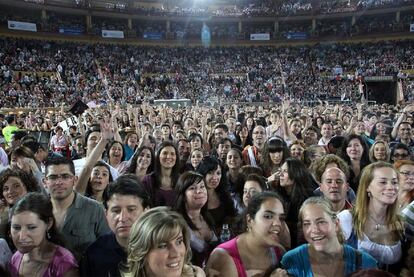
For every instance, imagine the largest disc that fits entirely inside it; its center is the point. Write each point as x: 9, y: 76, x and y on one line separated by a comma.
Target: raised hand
x: 285, y: 105
x: 107, y: 132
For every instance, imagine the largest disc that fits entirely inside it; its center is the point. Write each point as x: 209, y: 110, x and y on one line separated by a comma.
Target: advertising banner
x: 152, y: 35
x: 112, y: 34
x: 70, y: 30
x: 296, y: 35
x: 23, y: 26
x: 259, y: 36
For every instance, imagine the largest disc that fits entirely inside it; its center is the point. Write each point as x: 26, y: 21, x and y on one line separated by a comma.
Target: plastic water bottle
x: 225, y: 233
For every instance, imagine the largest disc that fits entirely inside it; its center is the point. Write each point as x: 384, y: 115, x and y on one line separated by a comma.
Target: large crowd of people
x: 99, y: 179
x: 243, y: 8
x: 49, y: 74
x: 353, y: 24
x: 187, y: 191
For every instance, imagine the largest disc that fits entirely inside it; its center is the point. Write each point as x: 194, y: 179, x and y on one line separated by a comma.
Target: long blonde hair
x: 153, y: 227
x: 360, y: 210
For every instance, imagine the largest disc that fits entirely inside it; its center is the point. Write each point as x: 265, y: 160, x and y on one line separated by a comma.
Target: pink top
x: 62, y: 262
x: 231, y: 248
x: 59, y: 141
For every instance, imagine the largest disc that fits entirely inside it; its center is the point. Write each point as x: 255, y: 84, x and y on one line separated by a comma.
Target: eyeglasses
x: 407, y: 173
x: 398, y: 155
x: 54, y: 178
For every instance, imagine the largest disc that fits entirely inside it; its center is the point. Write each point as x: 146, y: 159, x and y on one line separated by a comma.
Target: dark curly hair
x: 27, y: 179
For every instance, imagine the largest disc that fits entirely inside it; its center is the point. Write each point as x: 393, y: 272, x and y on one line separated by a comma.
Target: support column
x: 313, y: 24
x: 276, y: 26
x: 168, y: 26
x: 353, y: 21
x: 44, y: 15
x: 129, y: 23
x: 88, y: 23
x: 240, y: 27
x: 397, y: 16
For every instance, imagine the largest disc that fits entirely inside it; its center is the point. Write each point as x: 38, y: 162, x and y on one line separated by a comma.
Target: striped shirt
x: 408, y: 215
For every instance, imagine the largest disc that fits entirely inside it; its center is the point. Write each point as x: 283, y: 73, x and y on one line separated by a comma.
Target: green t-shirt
x: 8, y: 131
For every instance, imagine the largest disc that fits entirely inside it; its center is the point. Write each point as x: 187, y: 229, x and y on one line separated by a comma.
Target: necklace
x: 378, y: 225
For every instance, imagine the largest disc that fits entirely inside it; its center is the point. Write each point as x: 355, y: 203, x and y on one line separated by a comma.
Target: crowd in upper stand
x: 47, y: 74
x: 338, y: 27
x: 247, y: 8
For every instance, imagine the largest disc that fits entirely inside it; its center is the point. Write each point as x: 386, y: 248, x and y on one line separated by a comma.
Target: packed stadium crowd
x: 261, y: 161
x: 254, y: 8
x: 47, y: 74
x: 152, y: 190
x: 56, y: 22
